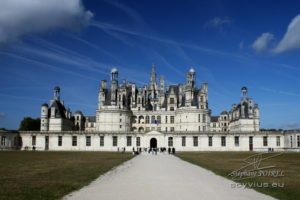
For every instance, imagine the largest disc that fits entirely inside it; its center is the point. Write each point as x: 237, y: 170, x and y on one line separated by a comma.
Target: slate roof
x: 60, y: 109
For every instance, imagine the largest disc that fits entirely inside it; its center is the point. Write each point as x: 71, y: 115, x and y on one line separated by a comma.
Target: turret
x: 44, y: 117
x: 114, y: 85
x: 57, y: 93
x: 191, y: 77
x: 153, y: 74
x: 244, y: 92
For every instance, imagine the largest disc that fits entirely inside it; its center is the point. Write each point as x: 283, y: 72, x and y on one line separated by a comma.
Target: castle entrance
x: 153, y: 143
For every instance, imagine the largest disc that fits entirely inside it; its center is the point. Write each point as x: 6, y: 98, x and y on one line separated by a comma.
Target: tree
x: 29, y: 124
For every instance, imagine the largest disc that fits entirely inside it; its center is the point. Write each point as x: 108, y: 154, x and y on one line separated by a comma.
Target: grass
x: 223, y: 163
x: 51, y: 175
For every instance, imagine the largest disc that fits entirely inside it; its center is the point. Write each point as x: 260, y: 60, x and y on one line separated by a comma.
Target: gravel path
x: 165, y: 177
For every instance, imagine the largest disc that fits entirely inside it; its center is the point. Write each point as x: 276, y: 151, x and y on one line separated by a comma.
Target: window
x: 101, y: 141
x: 128, y: 139
x: 153, y: 119
x: 183, y: 141
x: 171, y: 108
x: 166, y: 119
x: 265, y: 141
x: 138, y: 141
x: 59, y: 141
x: 298, y: 140
x: 210, y: 141
x: 278, y: 141
x: 120, y: 119
x: 223, y: 141
x: 250, y: 140
x: 203, y: 118
x: 120, y: 126
x: 170, y: 141
x: 199, y: 128
x: 147, y: 119
x: 195, y: 141
x: 204, y: 128
x: 172, y: 129
x: 172, y: 119
x: 237, y: 141
x: 214, y: 125
x: 115, y: 141
x: 291, y: 140
x: 88, y: 140
x: 199, y: 118
x: 74, y: 141
x: 3, y: 141
x: 166, y: 129
x: 172, y: 101
x: 158, y: 119
x: 33, y: 140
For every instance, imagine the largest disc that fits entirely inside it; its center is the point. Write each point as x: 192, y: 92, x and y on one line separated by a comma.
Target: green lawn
x: 223, y: 163
x: 51, y: 175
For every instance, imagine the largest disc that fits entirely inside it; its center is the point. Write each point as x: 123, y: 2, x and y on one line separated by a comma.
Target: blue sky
x: 74, y: 44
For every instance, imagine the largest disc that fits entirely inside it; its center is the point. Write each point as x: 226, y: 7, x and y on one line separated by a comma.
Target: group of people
x: 153, y: 150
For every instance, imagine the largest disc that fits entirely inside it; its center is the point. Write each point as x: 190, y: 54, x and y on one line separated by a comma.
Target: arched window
x: 159, y: 119
x: 152, y: 119
x: 141, y: 129
x: 141, y: 119
x: 147, y: 119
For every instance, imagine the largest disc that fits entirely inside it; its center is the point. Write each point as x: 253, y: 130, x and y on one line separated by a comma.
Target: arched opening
x: 153, y: 143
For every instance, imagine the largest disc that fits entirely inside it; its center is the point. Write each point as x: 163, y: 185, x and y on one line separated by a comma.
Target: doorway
x: 153, y: 143
x: 46, y: 142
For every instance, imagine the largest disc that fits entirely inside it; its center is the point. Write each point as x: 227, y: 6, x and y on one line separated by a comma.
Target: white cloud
x: 262, y: 42
x: 18, y: 18
x: 291, y: 39
x: 241, y: 44
x: 218, y: 22
x: 291, y: 125
x: 2, y: 114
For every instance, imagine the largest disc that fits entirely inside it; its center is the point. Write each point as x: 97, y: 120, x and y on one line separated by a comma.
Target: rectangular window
x: 3, y: 141
x: 170, y: 141
x: 291, y: 141
x: 166, y: 119
x: 115, y: 141
x: 183, y: 138
x: 203, y: 118
x: 278, y: 141
x: 138, y: 141
x: 166, y: 129
x: 59, y: 141
x: 171, y: 108
x: 195, y: 141
x: 204, y: 128
x: 74, y: 141
x: 128, y: 139
x: 199, y: 118
x: 88, y: 141
x: 265, y: 141
x: 251, y: 140
x: 298, y: 140
x: 210, y: 141
x: 171, y: 100
x: 33, y: 140
x: 158, y: 120
x: 223, y: 141
x: 236, y: 141
x: 101, y: 141
x: 172, y: 129
x: 172, y: 119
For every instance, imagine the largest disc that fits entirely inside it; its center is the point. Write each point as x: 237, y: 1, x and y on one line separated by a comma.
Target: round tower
x: 44, y: 117
x: 244, y: 92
